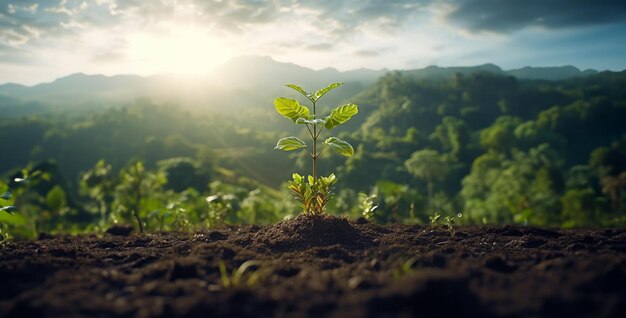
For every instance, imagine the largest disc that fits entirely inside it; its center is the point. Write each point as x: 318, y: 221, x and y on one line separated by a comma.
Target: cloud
x: 108, y: 57
x: 313, y: 33
x: 369, y: 53
x: 321, y: 47
x: 507, y: 16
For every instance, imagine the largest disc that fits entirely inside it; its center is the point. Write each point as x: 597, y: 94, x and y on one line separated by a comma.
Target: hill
x: 243, y: 82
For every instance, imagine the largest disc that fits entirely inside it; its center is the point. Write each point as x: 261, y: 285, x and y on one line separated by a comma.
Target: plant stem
x: 138, y: 221
x: 314, y: 156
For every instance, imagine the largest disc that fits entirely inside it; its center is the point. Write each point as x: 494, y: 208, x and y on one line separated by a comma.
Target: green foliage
x: 314, y: 194
x: 340, y: 115
x: 290, y: 143
x: 134, y: 194
x: 507, y: 151
x: 406, y: 268
x: 368, y: 207
x: 291, y: 108
x: 579, y: 207
x: 429, y: 166
x: 6, y: 206
x: 6, y: 199
x: 340, y: 146
x: 434, y: 219
x: 451, y: 225
x: 98, y: 184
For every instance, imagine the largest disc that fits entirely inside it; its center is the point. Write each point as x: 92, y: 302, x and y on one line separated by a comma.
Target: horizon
x: 212, y: 71
x: 44, y: 40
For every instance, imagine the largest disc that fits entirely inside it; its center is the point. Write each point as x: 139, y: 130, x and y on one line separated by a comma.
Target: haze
x: 44, y: 40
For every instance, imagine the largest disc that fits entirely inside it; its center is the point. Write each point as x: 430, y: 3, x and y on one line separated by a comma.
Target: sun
x: 180, y: 50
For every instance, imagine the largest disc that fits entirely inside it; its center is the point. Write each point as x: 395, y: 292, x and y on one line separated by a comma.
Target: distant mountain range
x: 239, y: 82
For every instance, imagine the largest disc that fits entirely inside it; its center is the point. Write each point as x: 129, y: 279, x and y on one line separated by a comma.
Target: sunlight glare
x: 184, y: 50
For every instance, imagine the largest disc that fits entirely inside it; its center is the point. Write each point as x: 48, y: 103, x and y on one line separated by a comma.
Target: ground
x: 320, y: 266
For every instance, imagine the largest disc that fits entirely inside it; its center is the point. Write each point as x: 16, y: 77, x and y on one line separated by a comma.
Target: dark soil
x: 320, y: 266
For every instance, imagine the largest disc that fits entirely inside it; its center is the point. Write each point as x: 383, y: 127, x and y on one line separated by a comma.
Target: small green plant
x: 6, y: 199
x: 367, y: 206
x: 451, y: 224
x: 406, y: 268
x: 238, y: 276
x: 313, y: 193
x: 434, y: 219
x: 136, y: 186
x: 6, y: 206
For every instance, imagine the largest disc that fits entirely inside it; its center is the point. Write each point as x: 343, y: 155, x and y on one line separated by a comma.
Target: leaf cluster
x: 312, y: 195
x: 301, y: 115
x: 6, y: 199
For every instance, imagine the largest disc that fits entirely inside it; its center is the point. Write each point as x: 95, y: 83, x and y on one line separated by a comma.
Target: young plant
x: 6, y: 206
x: 451, y: 224
x: 405, y: 269
x: 367, y: 206
x: 236, y: 278
x: 313, y: 193
x: 434, y: 219
x: 6, y: 199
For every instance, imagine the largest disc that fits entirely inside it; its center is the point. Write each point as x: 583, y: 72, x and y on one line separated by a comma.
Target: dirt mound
x: 306, y: 231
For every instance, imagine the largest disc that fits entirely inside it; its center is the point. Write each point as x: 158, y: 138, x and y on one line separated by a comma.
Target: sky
x: 44, y: 40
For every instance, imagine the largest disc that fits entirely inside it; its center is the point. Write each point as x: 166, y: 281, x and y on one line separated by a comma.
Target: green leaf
x: 340, y: 146
x: 318, y: 121
x: 323, y: 91
x: 8, y: 209
x: 341, y: 115
x: 6, y: 195
x: 15, y: 219
x: 298, y: 179
x: 290, y: 108
x: 301, y: 91
x: 290, y: 143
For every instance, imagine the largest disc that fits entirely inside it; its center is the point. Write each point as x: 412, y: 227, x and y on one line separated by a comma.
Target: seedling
x: 405, y: 269
x: 236, y: 278
x: 6, y: 205
x: 434, y: 219
x: 451, y: 224
x: 313, y: 193
x: 367, y: 205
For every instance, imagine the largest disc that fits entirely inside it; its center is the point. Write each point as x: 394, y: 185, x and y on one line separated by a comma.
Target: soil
x: 319, y: 266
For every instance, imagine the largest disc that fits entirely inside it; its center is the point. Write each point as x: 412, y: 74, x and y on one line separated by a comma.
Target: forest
x: 480, y: 147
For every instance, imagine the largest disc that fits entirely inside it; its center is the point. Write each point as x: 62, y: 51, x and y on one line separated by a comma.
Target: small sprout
x: 367, y: 205
x: 236, y: 278
x: 406, y: 268
x: 434, y: 219
x: 451, y: 224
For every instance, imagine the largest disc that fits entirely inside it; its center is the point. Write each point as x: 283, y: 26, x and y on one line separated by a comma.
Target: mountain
x: 556, y: 73
x: 241, y: 83
x: 436, y: 72
x: 549, y: 73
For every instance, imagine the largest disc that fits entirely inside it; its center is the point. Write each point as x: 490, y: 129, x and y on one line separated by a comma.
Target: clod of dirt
x: 119, y: 230
x: 498, y: 264
x: 45, y: 236
x: 306, y: 231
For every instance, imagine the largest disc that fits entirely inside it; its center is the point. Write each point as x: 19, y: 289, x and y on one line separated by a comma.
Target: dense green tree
x: 429, y: 166
x: 139, y: 190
